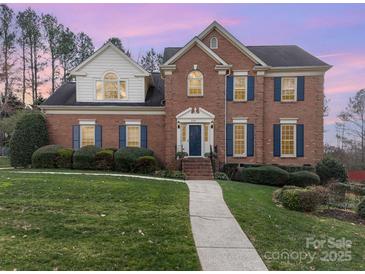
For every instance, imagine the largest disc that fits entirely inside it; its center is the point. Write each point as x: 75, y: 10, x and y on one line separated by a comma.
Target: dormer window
x: 111, y: 88
x: 213, y: 43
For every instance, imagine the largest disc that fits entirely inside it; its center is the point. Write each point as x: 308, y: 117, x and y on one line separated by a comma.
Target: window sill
x: 239, y: 156
x: 288, y: 102
x: 288, y: 157
x: 195, y: 96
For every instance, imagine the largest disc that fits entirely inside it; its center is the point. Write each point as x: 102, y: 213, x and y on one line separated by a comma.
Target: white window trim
x: 210, y: 42
x: 133, y: 122
x: 86, y: 122
x: 139, y: 133
x: 234, y: 140
x: 234, y: 90
x: 119, y: 80
x: 294, y: 155
x: 202, y: 87
x: 295, y: 89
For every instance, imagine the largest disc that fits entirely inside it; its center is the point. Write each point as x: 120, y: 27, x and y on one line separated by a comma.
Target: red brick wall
x: 60, y: 129
x: 309, y: 112
x: 177, y: 99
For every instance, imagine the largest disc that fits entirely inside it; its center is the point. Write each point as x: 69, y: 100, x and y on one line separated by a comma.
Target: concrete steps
x: 197, y: 168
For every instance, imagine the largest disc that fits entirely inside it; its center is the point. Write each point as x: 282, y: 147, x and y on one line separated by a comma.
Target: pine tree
x: 85, y: 47
x: 151, y: 61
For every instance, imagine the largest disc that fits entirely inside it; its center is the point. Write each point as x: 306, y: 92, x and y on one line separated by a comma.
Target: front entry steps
x: 197, y: 168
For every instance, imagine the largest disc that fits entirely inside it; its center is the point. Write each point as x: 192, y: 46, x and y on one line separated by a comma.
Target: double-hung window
x: 111, y: 88
x: 288, y: 140
x: 240, y: 140
x: 288, y: 89
x: 133, y: 136
x: 240, y: 88
x: 195, y: 83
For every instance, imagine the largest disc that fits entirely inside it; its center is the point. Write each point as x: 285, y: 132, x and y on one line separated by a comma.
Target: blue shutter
x: 229, y: 139
x: 277, y: 89
x: 251, y: 88
x: 144, y: 136
x: 277, y: 140
x: 98, y: 136
x: 300, y: 88
x: 122, y: 137
x: 229, y: 88
x: 76, y: 137
x: 300, y: 140
x: 250, y: 139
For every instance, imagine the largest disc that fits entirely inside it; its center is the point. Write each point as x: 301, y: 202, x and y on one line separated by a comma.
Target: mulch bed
x: 343, y: 215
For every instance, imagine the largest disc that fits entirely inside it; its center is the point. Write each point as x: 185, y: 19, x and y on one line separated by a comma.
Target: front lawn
x: 280, y: 235
x: 80, y: 222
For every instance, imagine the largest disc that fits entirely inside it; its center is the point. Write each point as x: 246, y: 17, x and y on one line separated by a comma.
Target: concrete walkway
x: 219, y: 240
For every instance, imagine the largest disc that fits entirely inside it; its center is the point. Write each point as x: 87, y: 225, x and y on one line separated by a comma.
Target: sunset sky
x: 333, y: 32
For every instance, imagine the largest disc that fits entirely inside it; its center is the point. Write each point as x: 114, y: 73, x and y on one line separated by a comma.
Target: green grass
x: 80, y: 222
x: 4, y: 161
x: 274, y: 230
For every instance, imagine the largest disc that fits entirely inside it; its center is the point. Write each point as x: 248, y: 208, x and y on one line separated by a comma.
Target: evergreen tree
x: 66, y: 50
x: 85, y: 47
x: 118, y: 43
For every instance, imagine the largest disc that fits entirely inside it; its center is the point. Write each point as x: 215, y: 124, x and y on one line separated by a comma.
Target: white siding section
x: 110, y: 60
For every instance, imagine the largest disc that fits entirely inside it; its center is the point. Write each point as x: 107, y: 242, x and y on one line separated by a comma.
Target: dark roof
x: 169, y: 52
x: 285, y: 56
x: 65, y: 95
x: 275, y: 56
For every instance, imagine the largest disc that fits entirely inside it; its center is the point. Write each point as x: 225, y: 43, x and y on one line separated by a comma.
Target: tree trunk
x: 35, y: 72
x: 32, y: 68
x: 23, y: 58
x: 53, y: 70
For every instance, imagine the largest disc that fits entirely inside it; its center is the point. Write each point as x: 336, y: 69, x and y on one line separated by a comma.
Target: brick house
x: 251, y: 104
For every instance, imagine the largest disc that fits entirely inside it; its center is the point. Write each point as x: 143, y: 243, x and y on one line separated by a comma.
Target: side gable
x: 107, y: 47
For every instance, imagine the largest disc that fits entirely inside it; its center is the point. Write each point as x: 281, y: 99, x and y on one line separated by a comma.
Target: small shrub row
x: 173, y: 174
x: 139, y: 160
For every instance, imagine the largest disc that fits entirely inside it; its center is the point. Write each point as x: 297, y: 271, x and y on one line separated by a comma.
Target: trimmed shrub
x: 221, y: 176
x: 297, y: 168
x: 29, y: 135
x: 299, y: 199
x: 323, y: 193
x: 125, y: 158
x: 330, y: 168
x: 264, y: 175
x: 104, y: 159
x: 303, y: 179
x: 85, y: 157
x: 361, y: 208
x: 230, y: 169
x: 146, y: 165
x: 64, y: 158
x: 173, y: 174
x: 45, y: 157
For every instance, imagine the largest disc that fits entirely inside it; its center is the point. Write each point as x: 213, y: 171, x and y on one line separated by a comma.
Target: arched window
x: 195, y: 83
x: 213, y: 43
x: 111, y: 87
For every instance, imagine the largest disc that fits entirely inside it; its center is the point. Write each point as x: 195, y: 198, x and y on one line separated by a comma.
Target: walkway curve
x: 219, y: 239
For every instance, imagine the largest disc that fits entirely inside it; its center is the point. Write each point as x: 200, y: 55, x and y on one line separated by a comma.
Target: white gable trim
x: 195, y: 115
x: 201, y: 45
x: 100, y: 51
x: 232, y: 39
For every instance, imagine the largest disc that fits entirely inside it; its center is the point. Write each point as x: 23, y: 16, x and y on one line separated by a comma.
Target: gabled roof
x: 100, y: 51
x: 201, y: 45
x: 286, y: 56
x: 65, y: 95
x: 233, y: 40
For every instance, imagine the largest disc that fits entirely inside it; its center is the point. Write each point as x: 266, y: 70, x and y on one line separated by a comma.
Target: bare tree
x: 7, y: 39
x: 354, y: 117
x: 52, y: 32
x: 151, y: 61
